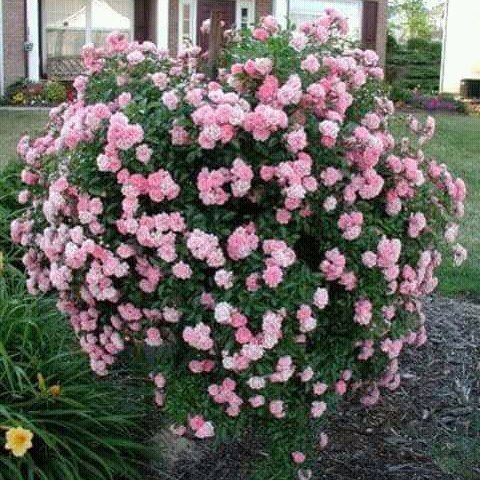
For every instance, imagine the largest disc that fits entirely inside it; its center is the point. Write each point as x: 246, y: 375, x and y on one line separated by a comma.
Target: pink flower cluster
x: 204, y: 246
x: 279, y: 257
x: 264, y: 121
x: 218, y: 119
x: 121, y: 134
x: 198, y: 337
x: 159, y: 186
x: 296, y: 180
x: 351, y: 225
x: 225, y: 394
x: 386, y: 258
x: 201, y: 427
x: 363, y: 312
x: 211, y: 184
x: 242, y: 242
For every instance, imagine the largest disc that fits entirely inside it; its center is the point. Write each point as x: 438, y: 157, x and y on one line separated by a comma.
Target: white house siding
x: 461, y: 55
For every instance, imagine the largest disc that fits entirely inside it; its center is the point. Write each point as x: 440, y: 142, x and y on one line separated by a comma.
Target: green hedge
x: 414, y: 65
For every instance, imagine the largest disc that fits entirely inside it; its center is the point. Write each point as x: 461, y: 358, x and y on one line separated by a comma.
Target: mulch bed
x: 396, y: 440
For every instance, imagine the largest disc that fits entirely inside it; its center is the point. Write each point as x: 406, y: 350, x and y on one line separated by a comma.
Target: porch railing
x: 64, y: 68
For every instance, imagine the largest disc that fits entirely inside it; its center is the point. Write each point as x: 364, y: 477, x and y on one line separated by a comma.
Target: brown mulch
x: 438, y: 402
x: 439, y: 396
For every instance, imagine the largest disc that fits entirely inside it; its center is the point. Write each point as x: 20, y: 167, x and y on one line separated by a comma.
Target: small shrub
x: 55, y: 92
x: 433, y: 103
x: 27, y: 93
x: 399, y: 94
x: 263, y: 235
x: 24, y: 92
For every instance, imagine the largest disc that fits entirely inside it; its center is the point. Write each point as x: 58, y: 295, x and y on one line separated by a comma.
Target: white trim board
x: 163, y: 7
x: 33, y: 37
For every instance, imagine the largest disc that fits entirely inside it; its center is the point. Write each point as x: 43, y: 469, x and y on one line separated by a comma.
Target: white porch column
x: 162, y: 23
x: 88, y: 21
x: 33, y: 38
x: 280, y: 11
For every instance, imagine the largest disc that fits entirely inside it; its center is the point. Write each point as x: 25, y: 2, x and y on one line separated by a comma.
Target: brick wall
x: 13, y: 40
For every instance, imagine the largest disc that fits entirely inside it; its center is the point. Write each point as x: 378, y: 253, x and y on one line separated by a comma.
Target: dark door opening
x: 204, y: 12
x: 145, y: 14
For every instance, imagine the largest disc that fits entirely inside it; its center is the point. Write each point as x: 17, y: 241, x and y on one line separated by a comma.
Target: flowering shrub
x: 46, y: 93
x: 265, y: 232
x: 435, y: 103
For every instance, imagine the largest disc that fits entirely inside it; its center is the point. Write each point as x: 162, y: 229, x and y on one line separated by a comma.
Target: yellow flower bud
x: 41, y: 382
x: 55, y: 390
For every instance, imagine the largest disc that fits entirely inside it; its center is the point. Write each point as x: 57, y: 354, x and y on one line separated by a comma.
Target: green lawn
x: 15, y: 123
x: 457, y: 143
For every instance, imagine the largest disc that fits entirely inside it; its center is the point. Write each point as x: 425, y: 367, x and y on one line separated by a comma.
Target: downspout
x: 444, y: 46
x: 2, y: 65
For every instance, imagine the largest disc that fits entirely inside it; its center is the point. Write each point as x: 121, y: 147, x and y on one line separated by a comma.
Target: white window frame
x: 358, y: 3
x: 250, y: 4
x: 193, y: 22
x: 88, y: 26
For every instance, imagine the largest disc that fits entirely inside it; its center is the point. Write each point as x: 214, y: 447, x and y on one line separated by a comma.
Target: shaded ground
x: 429, y: 429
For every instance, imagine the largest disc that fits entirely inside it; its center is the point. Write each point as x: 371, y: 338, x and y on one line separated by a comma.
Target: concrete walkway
x: 12, y: 108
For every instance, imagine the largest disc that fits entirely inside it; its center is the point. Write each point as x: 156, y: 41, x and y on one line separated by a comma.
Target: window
x: 306, y: 10
x: 109, y: 16
x: 244, y: 18
x: 186, y: 33
x: 70, y: 24
x: 186, y: 24
x: 64, y: 27
x: 245, y: 13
